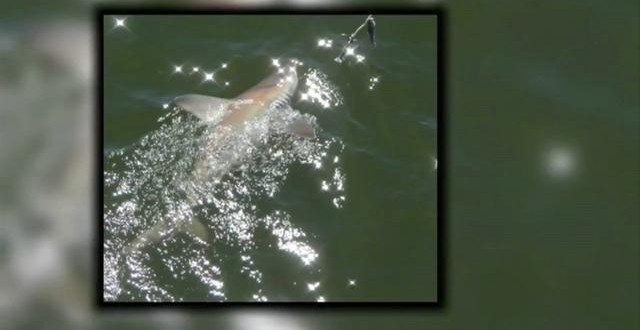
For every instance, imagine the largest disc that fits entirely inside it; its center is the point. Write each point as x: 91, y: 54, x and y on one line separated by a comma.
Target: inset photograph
x: 264, y: 158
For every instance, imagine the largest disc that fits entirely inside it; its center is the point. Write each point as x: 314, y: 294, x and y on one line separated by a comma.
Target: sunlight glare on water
x: 319, y: 90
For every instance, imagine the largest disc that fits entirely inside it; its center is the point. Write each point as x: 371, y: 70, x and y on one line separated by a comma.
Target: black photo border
x: 441, y: 172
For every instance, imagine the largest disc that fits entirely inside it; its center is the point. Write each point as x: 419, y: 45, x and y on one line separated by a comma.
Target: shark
x: 234, y: 128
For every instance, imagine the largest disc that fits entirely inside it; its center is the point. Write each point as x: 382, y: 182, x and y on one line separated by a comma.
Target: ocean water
x: 347, y: 216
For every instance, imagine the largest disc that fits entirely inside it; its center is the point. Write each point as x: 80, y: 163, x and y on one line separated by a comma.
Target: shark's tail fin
x: 193, y: 228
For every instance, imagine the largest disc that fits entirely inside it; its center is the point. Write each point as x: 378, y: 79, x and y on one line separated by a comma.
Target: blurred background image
x: 542, y: 174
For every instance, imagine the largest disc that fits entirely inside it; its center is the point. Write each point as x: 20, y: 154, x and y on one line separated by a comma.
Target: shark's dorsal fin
x: 207, y: 108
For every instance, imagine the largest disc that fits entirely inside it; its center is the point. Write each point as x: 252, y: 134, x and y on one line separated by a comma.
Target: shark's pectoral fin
x: 160, y: 231
x: 196, y: 229
x: 295, y: 123
x: 207, y: 108
x: 150, y: 236
x: 302, y: 126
